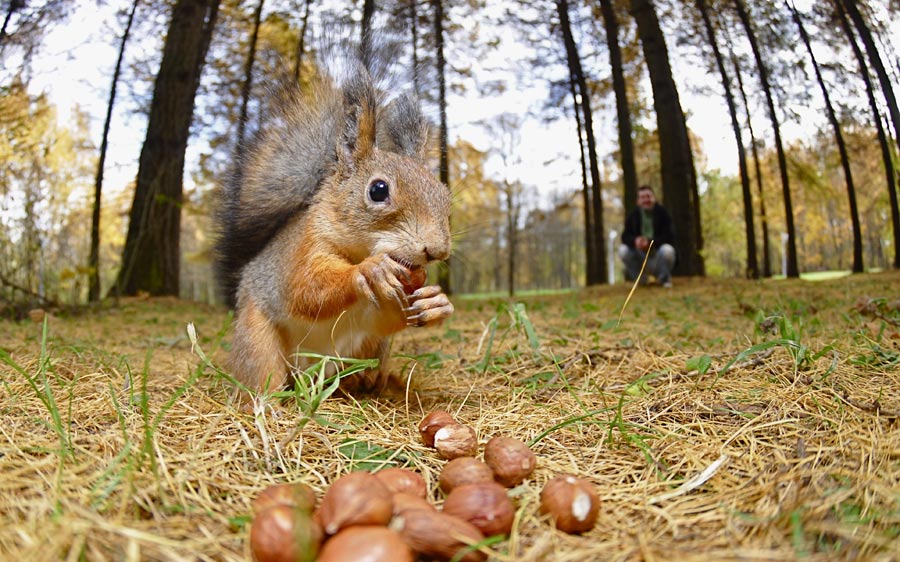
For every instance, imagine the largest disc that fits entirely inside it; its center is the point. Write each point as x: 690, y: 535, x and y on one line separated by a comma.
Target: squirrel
x: 326, y: 226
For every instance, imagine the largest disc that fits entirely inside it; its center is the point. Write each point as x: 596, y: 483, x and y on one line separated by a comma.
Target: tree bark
x: 886, y: 156
x: 842, y: 146
x: 444, y: 172
x: 590, y: 265
x: 94, y: 258
x: 792, y: 268
x: 752, y: 270
x: 414, y: 31
x: 623, y: 116
x: 679, y: 180
x: 150, y: 259
x: 301, y: 43
x: 577, y: 74
x: 247, y: 85
x: 754, y: 150
x: 875, y: 58
x: 366, y: 27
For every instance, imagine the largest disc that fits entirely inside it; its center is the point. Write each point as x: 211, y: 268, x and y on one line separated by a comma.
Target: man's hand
x: 641, y: 243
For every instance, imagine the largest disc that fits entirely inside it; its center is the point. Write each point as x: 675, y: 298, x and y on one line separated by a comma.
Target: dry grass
x: 116, y: 443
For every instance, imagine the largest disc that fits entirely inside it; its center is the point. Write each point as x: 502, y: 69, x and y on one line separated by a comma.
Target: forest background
x: 548, y: 115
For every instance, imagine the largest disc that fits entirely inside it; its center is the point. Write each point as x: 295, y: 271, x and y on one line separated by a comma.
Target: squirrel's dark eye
x: 379, y: 191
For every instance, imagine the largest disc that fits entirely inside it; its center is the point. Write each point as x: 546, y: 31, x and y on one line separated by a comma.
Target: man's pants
x: 659, y: 265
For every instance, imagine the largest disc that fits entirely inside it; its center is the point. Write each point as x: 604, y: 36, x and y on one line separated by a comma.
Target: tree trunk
x: 590, y: 253
x: 414, y: 31
x: 883, y: 141
x: 247, y: 86
x: 150, y: 259
x: 872, y: 50
x: 94, y: 258
x: 301, y: 42
x: 14, y: 6
x: 366, y: 27
x: 623, y: 117
x: 754, y: 149
x: 752, y: 270
x: 792, y: 268
x: 842, y: 147
x: 444, y: 172
x: 577, y: 74
x: 679, y: 180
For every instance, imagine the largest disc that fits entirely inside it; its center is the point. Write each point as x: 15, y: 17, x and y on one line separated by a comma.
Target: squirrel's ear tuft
x: 358, y: 135
x: 403, y: 129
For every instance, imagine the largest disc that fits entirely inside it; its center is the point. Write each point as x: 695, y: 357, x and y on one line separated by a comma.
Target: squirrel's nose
x: 437, y: 252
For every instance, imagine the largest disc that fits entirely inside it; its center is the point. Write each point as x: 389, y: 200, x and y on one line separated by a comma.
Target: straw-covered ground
x: 721, y: 420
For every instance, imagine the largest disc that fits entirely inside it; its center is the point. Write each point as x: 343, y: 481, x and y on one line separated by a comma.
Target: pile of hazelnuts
x: 385, y: 516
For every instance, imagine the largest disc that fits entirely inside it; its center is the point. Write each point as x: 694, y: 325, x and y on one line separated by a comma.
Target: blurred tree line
x: 200, y: 77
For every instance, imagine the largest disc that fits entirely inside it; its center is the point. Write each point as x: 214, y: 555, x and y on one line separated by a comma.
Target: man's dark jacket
x: 663, y: 231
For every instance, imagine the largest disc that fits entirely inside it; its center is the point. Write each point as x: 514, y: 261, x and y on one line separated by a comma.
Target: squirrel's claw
x: 428, y: 306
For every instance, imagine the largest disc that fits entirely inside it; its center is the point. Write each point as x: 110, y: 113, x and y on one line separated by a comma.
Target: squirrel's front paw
x: 379, y: 279
x: 428, y: 305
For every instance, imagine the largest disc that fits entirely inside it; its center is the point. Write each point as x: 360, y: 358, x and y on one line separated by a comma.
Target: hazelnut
x: 284, y: 533
x: 484, y: 505
x: 403, y: 480
x: 366, y: 543
x: 439, y: 535
x: 404, y: 501
x: 572, y: 502
x: 356, y: 498
x: 457, y: 440
x: 464, y: 470
x: 416, y: 281
x: 433, y: 422
x: 510, y: 459
x: 296, y: 495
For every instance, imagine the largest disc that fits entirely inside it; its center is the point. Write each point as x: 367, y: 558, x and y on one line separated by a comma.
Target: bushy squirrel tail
x: 283, y: 165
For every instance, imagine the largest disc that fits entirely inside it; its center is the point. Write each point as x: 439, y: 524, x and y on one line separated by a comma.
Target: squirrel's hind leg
x: 374, y: 380
x: 257, y: 357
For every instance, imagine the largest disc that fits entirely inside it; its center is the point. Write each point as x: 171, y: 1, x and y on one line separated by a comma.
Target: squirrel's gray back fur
x: 296, y: 150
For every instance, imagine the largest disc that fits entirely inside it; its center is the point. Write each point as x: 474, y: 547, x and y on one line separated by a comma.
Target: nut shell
x: 366, y: 543
x: 356, y: 498
x: 295, y: 494
x: 457, y: 440
x: 284, y: 533
x: 464, y: 470
x: 403, y: 480
x: 510, y: 459
x: 439, y: 535
x: 572, y: 502
x: 416, y: 280
x: 484, y: 505
x: 404, y: 502
x: 433, y: 422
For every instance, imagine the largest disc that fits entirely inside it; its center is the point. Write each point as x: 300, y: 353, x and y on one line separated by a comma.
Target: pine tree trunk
x: 623, y: 117
x: 94, y: 258
x: 301, y: 43
x: 444, y: 172
x: 792, y: 267
x: 878, y: 66
x: 247, y: 86
x: 366, y: 26
x: 752, y: 270
x: 754, y: 150
x: 679, y: 180
x: 577, y: 74
x: 589, y: 265
x: 151, y: 257
x: 883, y: 141
x: 842, y: 146
x: 414, y: 31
